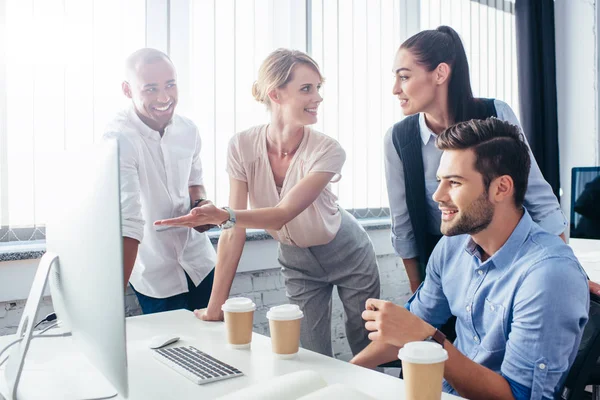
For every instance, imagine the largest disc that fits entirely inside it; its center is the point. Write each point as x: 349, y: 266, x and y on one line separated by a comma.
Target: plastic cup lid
x: 238, y: 304
x: 422, y: 353
x: 285, y: 312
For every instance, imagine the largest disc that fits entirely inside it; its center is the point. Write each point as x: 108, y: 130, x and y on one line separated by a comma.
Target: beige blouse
x: 248, y: 161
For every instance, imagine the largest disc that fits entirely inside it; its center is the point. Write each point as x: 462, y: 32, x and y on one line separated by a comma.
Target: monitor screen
x: 585, y: 203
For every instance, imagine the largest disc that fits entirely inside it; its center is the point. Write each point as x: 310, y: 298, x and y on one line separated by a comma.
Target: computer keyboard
x: 195, y: 365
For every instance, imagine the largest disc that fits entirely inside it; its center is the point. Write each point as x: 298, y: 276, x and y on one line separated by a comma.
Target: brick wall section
x: 266, y: 289
x: 11, y: 312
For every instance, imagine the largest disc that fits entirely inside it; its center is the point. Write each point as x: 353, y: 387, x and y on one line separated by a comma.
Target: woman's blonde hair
x: 276, y: 72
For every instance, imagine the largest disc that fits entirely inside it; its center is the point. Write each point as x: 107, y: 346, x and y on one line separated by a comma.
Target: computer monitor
x: 585, y: 198
x: 84, y: 264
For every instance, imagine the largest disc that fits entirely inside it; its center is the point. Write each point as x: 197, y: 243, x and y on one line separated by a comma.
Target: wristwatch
x: 437, y: 337
x: 230, y: 223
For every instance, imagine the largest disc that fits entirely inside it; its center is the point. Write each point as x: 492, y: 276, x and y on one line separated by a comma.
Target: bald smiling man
x: 161, y: 177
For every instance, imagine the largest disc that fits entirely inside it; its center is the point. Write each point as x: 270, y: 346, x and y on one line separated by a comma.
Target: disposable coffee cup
x: 423, y: 370
x: 284, y: 324
x: 239, y: 314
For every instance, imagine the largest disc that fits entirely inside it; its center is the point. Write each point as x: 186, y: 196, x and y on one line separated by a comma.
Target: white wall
x: 577, y: 88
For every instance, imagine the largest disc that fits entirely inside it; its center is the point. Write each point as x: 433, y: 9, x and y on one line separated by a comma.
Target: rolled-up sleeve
x: 196, y: 177
x: 330, y: 158
x: 540, y: 201
x: 132, y: 221
x: 403, y: 239
x: 546, y: 326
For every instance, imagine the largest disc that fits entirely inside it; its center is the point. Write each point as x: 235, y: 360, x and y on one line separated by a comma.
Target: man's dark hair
x: 499, y: 150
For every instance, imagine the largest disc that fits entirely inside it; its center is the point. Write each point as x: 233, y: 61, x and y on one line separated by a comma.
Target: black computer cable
x: 49, y: 318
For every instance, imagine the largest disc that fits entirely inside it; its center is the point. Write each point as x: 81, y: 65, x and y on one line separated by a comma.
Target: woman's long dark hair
x: 443, y: 45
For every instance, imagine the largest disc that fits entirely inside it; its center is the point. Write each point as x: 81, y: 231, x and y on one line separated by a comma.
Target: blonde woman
x: 285, y: 169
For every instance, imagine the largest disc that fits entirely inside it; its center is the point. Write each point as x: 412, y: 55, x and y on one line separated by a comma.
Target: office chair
x: 585, y: 370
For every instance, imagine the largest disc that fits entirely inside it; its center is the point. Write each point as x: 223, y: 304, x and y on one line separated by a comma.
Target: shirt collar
x: 504, y: 256
x: 426, y: 133
x: 144, y: 129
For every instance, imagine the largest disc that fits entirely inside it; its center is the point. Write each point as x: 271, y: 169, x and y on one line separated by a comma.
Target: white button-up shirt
x: 155, y: 175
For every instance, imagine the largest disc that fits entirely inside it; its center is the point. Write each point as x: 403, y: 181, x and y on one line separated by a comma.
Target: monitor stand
x: 65, y: 374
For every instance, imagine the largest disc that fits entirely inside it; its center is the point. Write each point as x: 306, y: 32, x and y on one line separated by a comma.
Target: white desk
x: 588, y: 253
x: 149, y: 379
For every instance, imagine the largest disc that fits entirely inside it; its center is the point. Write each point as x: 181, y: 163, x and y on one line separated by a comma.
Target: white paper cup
x: 423, y: 370
x: 239, y: 315
x: 284, y: 324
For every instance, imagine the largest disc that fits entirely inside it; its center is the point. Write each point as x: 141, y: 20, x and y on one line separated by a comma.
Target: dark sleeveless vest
x: 406, y: 137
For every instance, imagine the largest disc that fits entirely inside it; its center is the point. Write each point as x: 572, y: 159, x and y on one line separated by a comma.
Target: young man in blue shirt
x: 519, y: 294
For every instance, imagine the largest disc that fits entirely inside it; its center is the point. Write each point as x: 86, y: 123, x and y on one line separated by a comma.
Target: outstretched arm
x: 297, y: 200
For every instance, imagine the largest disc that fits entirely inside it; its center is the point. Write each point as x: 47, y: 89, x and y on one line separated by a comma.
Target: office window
x: 487, y: 28
x: 61, y: 70
x: 354, y: 42
x: 220, y: 46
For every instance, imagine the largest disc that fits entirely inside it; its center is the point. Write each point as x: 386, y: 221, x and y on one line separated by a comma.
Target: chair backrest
x: 587, y: 355
x: 580, y: 178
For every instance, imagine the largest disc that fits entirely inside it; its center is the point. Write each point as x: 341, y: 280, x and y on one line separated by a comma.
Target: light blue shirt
x: 521, y: 313
x: 539, y: 198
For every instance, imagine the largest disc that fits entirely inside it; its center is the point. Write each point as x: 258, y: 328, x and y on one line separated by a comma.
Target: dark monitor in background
x: 585, y: 203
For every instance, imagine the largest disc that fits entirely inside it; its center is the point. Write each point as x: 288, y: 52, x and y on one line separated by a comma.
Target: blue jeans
x: 196, y: 297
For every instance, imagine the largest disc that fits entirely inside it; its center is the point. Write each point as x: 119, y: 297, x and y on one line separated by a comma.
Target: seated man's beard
x: 472, y: 220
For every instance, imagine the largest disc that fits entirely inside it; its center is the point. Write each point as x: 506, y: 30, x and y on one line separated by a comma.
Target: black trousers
x: 196, y: 297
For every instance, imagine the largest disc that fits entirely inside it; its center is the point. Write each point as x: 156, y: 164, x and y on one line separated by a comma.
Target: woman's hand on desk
x: 205, y: 315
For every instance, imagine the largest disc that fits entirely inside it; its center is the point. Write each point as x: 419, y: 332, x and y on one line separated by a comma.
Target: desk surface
x: 588, y: 254
x: 258, y: 364
x: 150, y: 379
